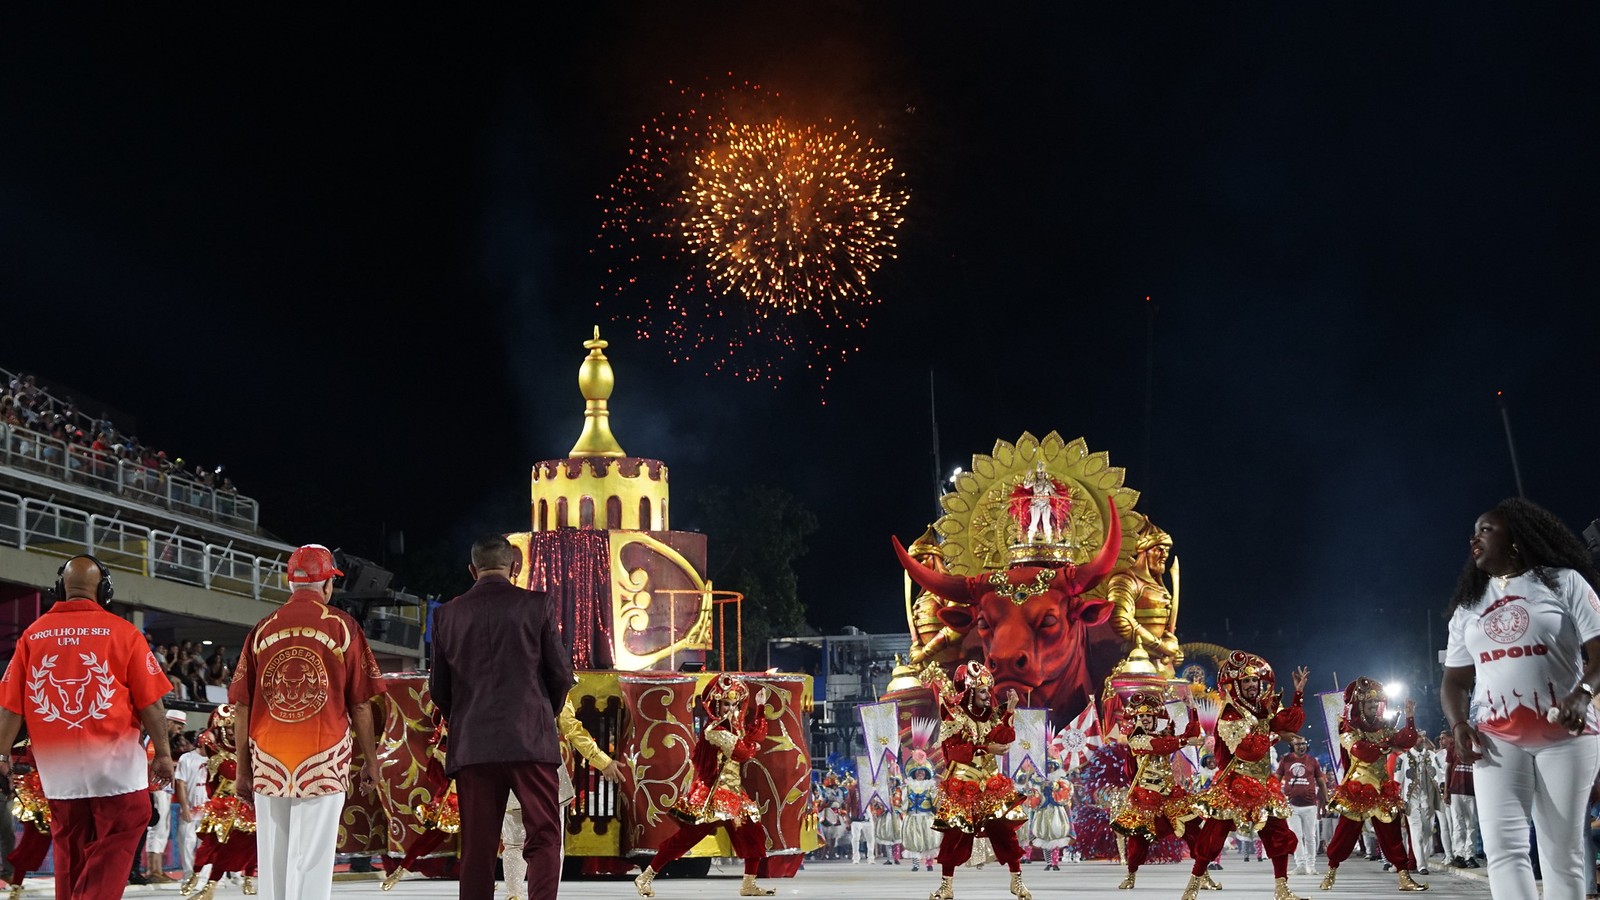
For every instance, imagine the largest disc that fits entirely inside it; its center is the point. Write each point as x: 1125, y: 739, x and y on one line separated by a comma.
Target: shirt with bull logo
x: 1524, y: 641
x: 79, y: 678
x: 302, y: 670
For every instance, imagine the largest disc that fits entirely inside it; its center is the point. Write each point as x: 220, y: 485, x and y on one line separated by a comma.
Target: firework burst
x: 744, y: 239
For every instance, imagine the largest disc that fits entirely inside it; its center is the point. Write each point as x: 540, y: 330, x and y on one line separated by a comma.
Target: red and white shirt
x: 79, y: 678
x: 1525, y: 641
x: 302, y: 670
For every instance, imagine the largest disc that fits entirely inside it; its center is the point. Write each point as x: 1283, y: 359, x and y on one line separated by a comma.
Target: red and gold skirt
x: 1144, y: 808
x: 1247, y: 802
x: 703, y: 806
x: 1359, y: 800
x: 966, y: 805
x: 225, y: 815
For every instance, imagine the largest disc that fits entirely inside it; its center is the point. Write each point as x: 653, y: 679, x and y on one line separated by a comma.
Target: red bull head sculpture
x: 1031, y: 621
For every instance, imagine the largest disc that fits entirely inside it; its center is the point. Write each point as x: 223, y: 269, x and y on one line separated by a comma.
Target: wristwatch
x: 1586, y: 688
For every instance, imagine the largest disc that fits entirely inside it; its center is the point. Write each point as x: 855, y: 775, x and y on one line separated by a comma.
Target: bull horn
x: 951, y: 587
x: 1092, y: 572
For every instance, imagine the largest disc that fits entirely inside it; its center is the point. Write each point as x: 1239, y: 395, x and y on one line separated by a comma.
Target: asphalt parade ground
x: 1358, y: 878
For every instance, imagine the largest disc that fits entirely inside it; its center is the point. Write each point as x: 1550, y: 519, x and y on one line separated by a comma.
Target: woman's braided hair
x: 1543, y: 542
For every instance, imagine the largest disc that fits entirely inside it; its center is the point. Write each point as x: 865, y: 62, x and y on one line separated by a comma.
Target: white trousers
x: 1548, y: 786
x: 295, y: 841
x: 863, y: 831
x: 1420, y: 818
x: 155, y: 838
x: 1303, y: 822
x: 188, y: 840
x: 1442, y: 817
x: 1464, y: 825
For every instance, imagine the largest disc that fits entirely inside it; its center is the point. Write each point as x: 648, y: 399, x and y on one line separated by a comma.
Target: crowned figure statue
x: 1040, y: 508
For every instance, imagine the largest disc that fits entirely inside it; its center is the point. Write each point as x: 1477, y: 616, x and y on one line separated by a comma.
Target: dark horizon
x: 351, y: 260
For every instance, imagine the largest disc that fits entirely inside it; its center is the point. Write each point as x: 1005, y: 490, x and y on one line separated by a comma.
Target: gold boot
x: 642, y: 883
x: 1192, y: 892
x: 1327, y: 880
x: 1280, y: 890
x: 189, y: 884
x: 1207, y: 883
x: 393, y: 878
x: 249, y: 885
x: 749, y: 888
x: 1018, y: 889
x: 946, y: 891
x: 1407, y: 883
x: 1127, y: 883
x: 15, y: 893
x: 207, y: 892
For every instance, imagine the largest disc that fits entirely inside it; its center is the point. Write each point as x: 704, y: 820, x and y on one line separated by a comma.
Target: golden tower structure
x: 661, y: 605
x: 598, y: 485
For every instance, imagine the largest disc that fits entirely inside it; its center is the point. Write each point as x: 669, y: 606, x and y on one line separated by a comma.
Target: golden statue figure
x: 1144, y: 613
x: 932, y: 641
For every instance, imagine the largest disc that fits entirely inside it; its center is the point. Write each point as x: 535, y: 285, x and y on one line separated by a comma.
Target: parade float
x: 646, y: 631
x: 1043, y: 568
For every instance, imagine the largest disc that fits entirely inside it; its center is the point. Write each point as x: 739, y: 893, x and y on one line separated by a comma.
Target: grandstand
x: 188, y: 556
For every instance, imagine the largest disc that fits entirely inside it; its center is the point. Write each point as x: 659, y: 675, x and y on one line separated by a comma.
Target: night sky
x: 351, y: 259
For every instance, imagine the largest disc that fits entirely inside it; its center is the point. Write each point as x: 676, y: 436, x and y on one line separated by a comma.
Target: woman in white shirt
x: 1524, y: 615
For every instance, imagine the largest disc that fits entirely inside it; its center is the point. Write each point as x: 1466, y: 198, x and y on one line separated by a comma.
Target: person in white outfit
x: 862, y: 827
x: 1441, y: 800
x: 1524, y: 610
x: 1419, y: 781
x: 189, y: 788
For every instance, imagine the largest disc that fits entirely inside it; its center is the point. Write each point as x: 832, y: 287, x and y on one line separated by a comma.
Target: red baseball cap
x: 312, y: 563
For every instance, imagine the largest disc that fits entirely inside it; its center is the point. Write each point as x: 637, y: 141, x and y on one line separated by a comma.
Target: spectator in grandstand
x: 217, y: 669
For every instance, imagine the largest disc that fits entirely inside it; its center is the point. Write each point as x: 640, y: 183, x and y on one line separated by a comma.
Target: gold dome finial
x: 596, y: 381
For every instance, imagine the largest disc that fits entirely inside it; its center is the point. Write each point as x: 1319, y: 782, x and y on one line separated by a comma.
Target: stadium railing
x: 57, y: 530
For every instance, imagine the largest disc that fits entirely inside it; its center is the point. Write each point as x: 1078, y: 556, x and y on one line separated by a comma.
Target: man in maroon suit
x: 499, y: 676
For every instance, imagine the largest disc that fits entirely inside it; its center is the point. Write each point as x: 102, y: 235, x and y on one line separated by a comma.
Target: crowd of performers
x: 973, y: 812
x: 968, y: 815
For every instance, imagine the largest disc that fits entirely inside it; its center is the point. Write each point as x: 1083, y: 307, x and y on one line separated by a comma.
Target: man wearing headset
x: 85, y: 681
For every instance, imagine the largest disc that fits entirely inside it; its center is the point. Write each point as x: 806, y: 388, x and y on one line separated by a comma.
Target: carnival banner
x: 1332, y: 709
x: 1079, y: 739
x: 880, y: 728
x: 1033, y: 738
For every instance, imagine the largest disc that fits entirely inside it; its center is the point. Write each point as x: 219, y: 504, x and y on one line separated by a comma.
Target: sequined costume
x: 1245, y: 793
x: 227, y: 825
x: 920, y: 841
x: 715, y: 797
x: 975, y: 799
x: 31, y: 810
x: 1367, y: 791
x: 1052, y: 822
x: 1155, y: 804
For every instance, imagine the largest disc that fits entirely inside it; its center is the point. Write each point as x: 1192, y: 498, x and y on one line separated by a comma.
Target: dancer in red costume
x: 1245, y: 793
x: 227, y: 827
x: 441, y: 816
x: 716, y: 797
x: 976, y: 799
x: 1156, y: 805
x: 1367, y: 791
x: 32, y: 811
